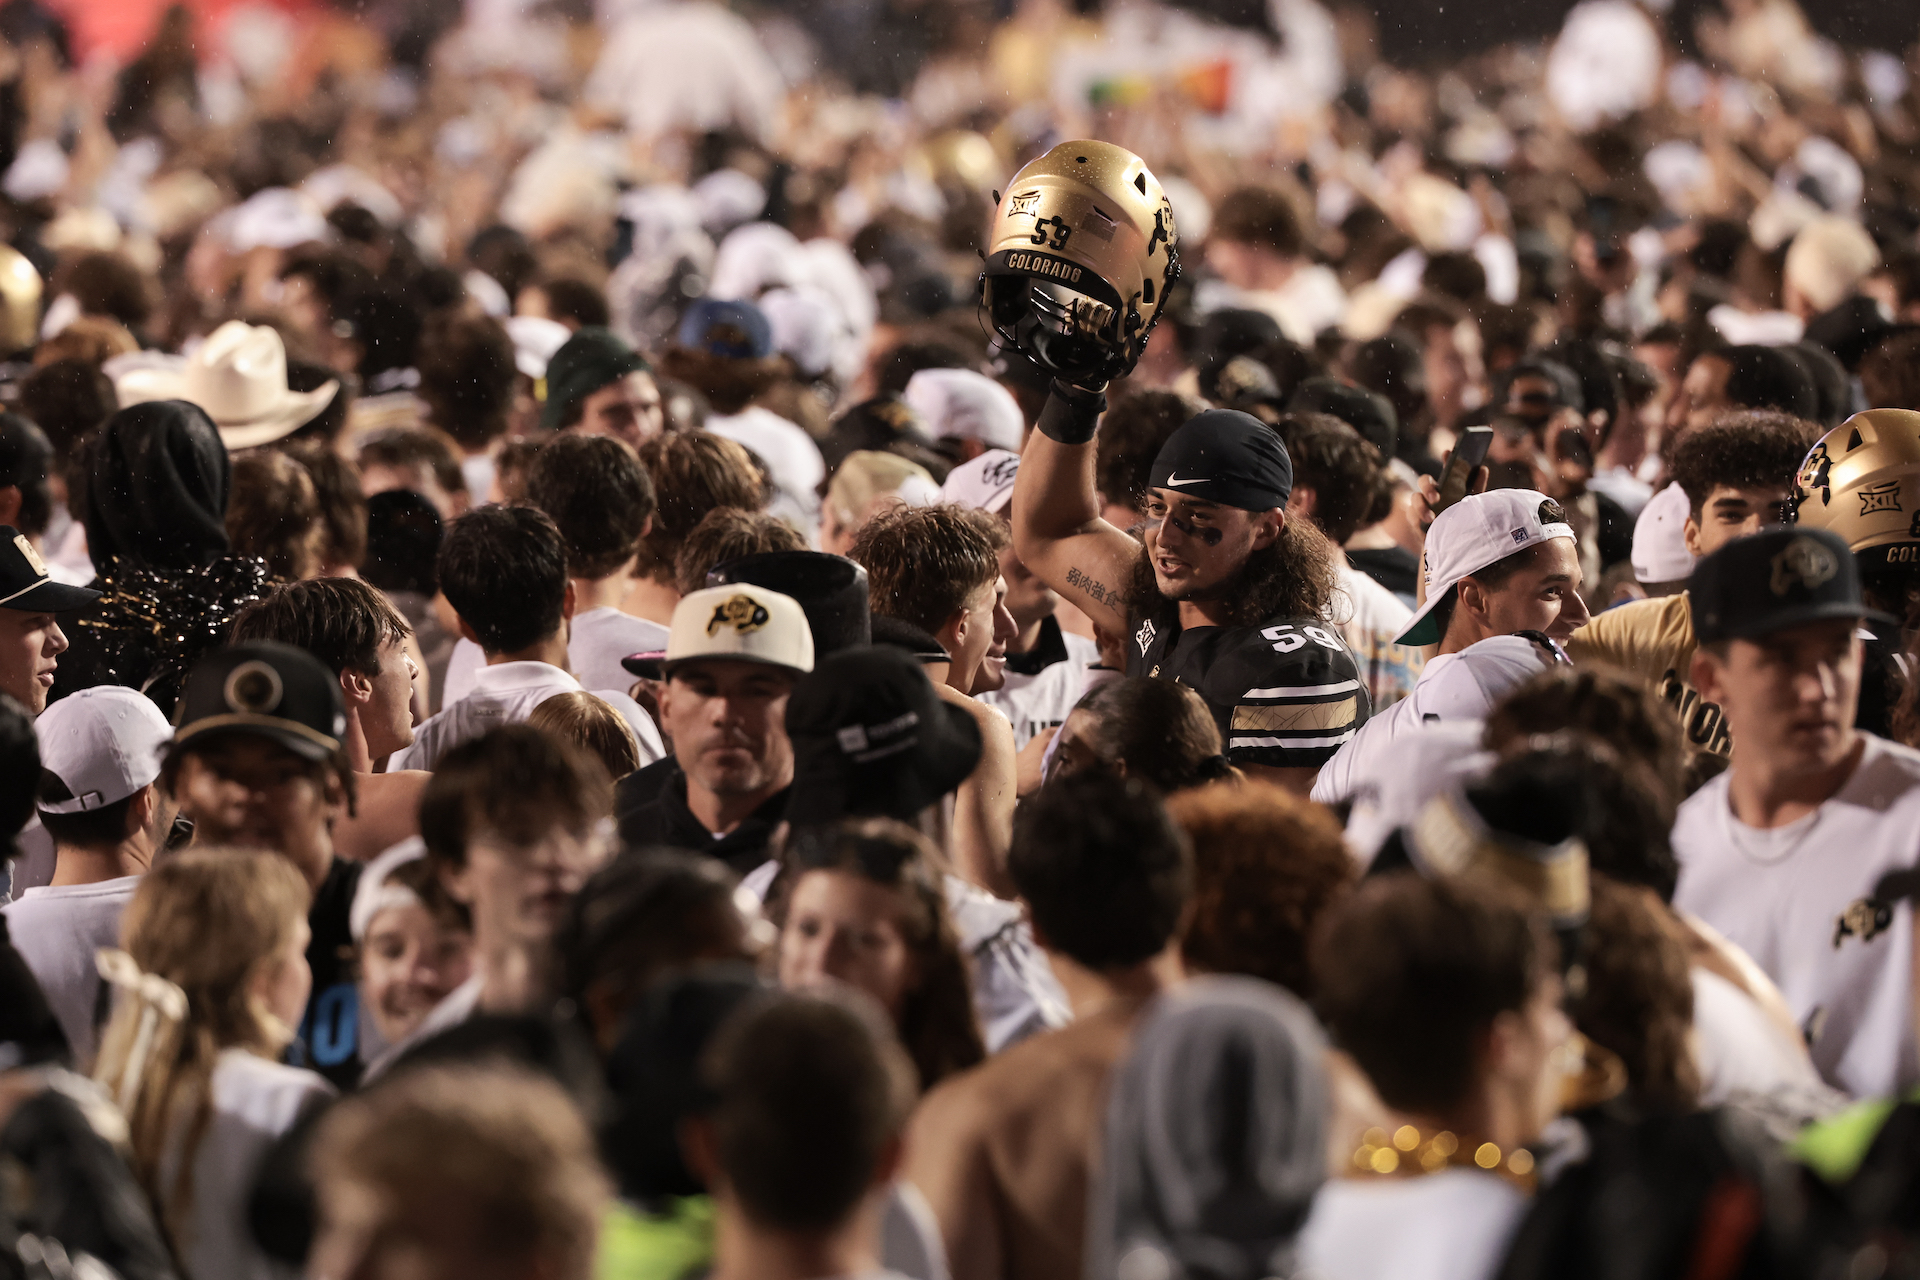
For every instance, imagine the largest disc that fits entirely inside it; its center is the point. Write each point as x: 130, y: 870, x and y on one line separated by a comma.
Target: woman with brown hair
x: 210, y: 985
x: 860, y: 902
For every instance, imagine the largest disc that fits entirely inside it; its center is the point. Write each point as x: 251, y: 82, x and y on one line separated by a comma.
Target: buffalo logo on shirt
x: 1804, y: 564
x: 742, y: 612
x: 1865, y: 919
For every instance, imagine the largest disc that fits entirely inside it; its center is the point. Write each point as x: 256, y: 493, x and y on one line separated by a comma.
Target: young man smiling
x: 1228, y: 595
x: 733, y: 656
x: 1799, y: 853
x: 257, y: 762
x: 1738, y: 475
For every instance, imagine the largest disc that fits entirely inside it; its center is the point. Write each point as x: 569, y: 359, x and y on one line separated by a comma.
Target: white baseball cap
x: 986, y: 482
x: 1479, y: 530
x: 966, y: 404
x: 104, y: 743
x: 1660, y: 538
x: 743, y: 623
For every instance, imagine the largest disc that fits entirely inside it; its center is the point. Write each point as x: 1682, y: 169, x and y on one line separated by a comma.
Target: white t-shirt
x: 1452, y: 686
x: 793, y: 462
x: 1370, y: 617
x: 1015, y: 992
x: 57, y: 931
x: 507, y: 693
x: 1449, y: 1225
x: 33, y: 864
x: 1797, y: 900
x: 601, y: 637
x: 254, y: 1102
x: 598, y: 639
x: 1038, y: 702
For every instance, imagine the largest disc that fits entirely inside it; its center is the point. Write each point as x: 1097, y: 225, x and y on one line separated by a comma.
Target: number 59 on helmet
x: 1080, y: 255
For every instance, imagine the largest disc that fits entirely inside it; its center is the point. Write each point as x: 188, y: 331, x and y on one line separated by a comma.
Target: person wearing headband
x: 1227, y: 595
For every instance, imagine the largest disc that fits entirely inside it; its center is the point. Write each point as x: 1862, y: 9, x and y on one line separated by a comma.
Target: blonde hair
x: 201, y: 924
x: 504, y: 1144
x: 590, y: 723
x: 867, y: 474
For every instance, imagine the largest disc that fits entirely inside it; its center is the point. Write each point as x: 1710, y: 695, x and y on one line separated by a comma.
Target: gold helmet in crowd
x: 20, y: 290
x: 1862, y: 482
x: 1080, y: 256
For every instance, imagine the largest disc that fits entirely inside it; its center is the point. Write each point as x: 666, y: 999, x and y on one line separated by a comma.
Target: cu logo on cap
x: 1805, y: 564
x: 743, y: 613
x: 253, y: 688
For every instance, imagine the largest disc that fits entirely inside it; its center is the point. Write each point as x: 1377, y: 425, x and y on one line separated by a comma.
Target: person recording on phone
x: 1227, y: 595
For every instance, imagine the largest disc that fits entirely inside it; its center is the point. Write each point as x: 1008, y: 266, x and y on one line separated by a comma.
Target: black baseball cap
x: 1227, y: 457
x: 25, y: 584
x: 273, y: 690
x: 871, y: 738
x: 1773, y: 580
x: 586, y: 362
x: 831, y: 589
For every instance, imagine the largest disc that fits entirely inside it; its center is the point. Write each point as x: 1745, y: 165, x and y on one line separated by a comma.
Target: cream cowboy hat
x: 239, y: 376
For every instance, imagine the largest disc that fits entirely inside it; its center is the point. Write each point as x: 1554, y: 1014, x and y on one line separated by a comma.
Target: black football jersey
x: 1286, y: 694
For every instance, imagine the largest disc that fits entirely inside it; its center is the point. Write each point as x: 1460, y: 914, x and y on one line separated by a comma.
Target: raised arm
x: 1057, y: 529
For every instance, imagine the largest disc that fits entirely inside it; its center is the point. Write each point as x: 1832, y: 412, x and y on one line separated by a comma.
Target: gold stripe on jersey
x: 1297, y: 716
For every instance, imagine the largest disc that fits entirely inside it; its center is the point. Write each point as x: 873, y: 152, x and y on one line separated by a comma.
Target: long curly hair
x: 1292, y: 577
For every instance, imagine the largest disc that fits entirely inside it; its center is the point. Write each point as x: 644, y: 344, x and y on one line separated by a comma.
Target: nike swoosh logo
x: 1175, y: 484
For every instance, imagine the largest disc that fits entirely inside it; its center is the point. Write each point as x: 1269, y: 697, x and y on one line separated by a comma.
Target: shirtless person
x: 362, y: 639
x: 1003, y: 1152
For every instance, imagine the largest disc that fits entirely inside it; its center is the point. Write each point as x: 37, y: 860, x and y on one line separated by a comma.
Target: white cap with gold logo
x: 742, y: 623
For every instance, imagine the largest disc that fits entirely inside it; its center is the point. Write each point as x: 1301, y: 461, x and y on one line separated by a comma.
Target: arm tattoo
x: 1095, y: 591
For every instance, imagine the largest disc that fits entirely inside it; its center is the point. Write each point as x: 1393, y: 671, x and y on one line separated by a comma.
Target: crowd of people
x: 962, y: 642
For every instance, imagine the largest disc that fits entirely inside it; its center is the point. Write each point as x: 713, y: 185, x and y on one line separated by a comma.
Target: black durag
x: 157, y: 488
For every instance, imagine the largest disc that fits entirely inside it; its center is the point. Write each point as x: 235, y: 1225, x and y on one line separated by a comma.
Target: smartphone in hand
x: 1469, y: 451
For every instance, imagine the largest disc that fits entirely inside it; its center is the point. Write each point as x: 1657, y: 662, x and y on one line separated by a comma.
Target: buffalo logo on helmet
x: 742, y: 612
x: 1805, y: 564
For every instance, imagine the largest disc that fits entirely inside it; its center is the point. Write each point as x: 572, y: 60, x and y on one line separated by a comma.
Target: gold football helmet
x: 20, y: 290
x: 1862, y: 481
x: 1080, y: 256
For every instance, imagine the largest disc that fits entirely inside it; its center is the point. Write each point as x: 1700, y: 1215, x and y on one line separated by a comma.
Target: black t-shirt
x: 330, y: 1030
x: 1286, y: 694
x: 651, y: 805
